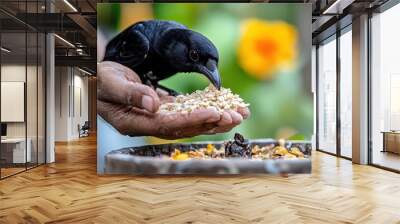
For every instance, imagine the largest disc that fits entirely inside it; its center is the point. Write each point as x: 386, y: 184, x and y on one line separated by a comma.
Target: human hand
x: 131, y: 107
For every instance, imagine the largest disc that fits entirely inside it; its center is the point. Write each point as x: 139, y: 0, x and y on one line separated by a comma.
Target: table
x: 13, y: 150
x: 391, y: 141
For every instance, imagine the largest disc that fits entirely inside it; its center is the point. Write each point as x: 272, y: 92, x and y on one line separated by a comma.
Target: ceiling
x: 75, y: 21
x: 332, y: 15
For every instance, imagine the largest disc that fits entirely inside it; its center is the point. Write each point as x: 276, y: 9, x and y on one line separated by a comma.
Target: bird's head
x: 189, y: 51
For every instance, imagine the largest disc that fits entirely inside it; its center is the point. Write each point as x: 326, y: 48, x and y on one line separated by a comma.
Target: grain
x: 208, y: 98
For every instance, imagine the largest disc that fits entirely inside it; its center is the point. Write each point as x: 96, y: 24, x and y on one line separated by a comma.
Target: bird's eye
x: 194, y: 56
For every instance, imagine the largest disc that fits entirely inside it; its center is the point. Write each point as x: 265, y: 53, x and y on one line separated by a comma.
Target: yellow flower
x: 265, y: 47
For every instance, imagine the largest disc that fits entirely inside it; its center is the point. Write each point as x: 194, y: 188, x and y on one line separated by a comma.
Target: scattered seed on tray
x: 239, y: 148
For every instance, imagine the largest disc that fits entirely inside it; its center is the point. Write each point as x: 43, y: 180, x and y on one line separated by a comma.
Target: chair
x: 84, y: 130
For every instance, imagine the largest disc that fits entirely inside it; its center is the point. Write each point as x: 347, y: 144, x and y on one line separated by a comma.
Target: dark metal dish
x: 151, y: 160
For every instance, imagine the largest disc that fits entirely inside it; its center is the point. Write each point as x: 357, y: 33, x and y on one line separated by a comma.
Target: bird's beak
x: 211, y: 72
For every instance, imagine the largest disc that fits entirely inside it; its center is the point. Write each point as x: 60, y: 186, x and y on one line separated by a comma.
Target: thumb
x: 119, y: 85
x: 141, y: 96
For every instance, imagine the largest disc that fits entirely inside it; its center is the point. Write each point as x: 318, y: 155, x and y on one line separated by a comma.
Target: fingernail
x: 215, y: 116
x: 147, y: 103
x: 237, y: 118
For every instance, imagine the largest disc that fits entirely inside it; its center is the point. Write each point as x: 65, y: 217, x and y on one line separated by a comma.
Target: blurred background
x: 265, y: 57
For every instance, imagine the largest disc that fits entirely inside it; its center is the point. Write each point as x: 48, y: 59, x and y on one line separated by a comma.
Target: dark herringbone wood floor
x: 70, y: 191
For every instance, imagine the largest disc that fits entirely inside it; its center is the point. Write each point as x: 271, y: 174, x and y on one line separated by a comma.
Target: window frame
x: 31, y: 30
x: 378, y: 10
x: 334, y: 37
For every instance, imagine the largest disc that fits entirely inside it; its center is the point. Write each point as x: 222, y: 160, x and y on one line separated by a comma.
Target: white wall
x: 33, y: 126
x: 81, y: 89
x: 71, y: 94
x: 62, y: 81
x: 12, y: 73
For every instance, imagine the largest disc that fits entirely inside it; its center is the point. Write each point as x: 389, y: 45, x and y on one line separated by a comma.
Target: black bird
x: 157, y: 49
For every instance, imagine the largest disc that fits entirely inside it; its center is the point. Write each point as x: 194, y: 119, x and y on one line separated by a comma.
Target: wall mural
x: 219, y: 88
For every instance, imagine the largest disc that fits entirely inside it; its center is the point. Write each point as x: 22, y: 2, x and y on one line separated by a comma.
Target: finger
x: 161, y: 92
x: 133, y: 121
x: 115, y: 87
x: 135, y: 94
x: 172, y: 121
x: 236, y: 120
x: 226, y: 119
x: 236, y: 117
x: 119, y: 70
x: 141, y: 96
x: 244, y: 111
x: 142, y: 112
x: 167, y: 99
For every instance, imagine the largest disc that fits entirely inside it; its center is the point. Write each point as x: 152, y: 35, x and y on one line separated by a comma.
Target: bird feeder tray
x: 155, y: 160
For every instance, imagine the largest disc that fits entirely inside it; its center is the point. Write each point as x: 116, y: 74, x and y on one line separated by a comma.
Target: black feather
x: 156, y: 50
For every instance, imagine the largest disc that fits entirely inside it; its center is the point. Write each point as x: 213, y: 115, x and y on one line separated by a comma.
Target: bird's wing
x: 129, y: 48
x: 173, y: 25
